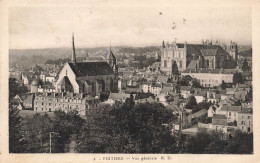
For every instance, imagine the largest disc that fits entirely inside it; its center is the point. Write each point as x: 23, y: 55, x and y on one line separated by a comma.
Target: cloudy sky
x: 45, y: 27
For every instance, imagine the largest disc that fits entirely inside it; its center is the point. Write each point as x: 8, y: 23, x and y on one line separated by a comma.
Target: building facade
x: 49, y: 102
x: 194, y: 56
x: 210, y: 77
x: 88, y: 77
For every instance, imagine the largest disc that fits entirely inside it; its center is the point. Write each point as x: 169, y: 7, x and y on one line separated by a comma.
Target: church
x: 91, y: 78
x: 197, y: 56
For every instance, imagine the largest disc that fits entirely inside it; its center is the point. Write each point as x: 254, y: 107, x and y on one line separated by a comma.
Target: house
x: 82, y: 103
x: 120, y: 97
x: 185, y: 91
x: 219, y: 122
x: 162, y: 79
x: 197, y: 117
x: 200, y: 96
x: 180, y: 113
x: 122, y: 85
x: 245, y: 120
x: 230, y: 111
x: 212, y: 110
x: 25, y: 101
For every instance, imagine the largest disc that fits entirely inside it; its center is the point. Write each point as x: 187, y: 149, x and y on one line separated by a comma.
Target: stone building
x: 211, y: 77
x: 194, y: 56
x: 245, y: 120
x: 49, y: 102
x: 88, y: 77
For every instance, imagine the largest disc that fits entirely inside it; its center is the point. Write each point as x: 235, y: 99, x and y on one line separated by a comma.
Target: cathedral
x: 195, y: 56
x: 91, y: 78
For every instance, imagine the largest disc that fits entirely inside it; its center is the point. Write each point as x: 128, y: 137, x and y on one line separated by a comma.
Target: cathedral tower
x: 233, y: 50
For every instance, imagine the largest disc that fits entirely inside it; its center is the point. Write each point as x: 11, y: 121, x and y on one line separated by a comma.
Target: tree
x: 191, y: 103
x: 245, y: 66
x: 198, y: 143
x: 130, y: 102
x: 237, y: 78
x: 15, y: 88
x: 16, y: 135
x: 223, y: 85
x: 195, y: 83
x: 175, y: 69
x: 116, y: 129
x: 37, y: 130
x: 66, y: 125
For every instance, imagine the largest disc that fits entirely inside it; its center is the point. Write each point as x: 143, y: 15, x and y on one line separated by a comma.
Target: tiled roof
x: 200, y: 113
x: 231, y: 108
x: 209, y: 52
x: 246, y: 111
x: 219, y: 116
x: 91, y: 68
x: 115, y: 96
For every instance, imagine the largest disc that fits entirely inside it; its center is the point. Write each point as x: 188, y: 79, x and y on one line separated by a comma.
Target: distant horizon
x: 49, y: 27
x: 131, y: 46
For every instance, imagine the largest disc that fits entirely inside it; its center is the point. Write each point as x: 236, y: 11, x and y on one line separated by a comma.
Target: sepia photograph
x: 125, y: 79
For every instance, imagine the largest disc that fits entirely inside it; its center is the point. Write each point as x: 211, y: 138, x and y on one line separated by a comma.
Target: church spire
x: 73, y: 57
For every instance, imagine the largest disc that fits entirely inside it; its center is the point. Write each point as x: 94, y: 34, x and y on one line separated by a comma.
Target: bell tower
x: 233, y: 50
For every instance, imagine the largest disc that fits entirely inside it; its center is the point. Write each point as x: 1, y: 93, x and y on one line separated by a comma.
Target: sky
x: 51, y: 27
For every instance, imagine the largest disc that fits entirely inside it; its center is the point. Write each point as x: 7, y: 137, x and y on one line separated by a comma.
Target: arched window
x: 165, y: 63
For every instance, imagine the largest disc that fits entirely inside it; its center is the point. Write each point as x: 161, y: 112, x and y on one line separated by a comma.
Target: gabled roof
x: 200, y: 113
x: 91, y: 69
x: 209, y: 52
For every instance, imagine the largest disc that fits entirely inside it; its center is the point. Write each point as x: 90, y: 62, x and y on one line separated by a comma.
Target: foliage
x: 245, y: 66
x: 213, y: 143
x: 66, y: 125
x: 196, y: 83
x: 237, y: 78
x: 175, y: 69
x: 15, y: 88
x: 37, y: 133
x: 191, y: 103
x: 16, y: 141
x: 117, y: 129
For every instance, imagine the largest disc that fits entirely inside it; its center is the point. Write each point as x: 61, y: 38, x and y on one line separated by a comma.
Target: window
x: 165, y: 63
x: 242, y: 127
x: 180, y: 64
x: 242, y: 117
x: 49, y: 104
x: 249, y: 123
x: 248, y: 117
x: 229, y: 114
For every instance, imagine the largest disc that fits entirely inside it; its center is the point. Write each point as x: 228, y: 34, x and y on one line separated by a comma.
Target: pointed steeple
x: 73, y: 57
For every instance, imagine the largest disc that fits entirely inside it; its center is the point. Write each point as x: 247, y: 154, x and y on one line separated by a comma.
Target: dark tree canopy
x: 237, y: 78
x: 245, y: 66
x: 16, y: 142
x: 175, y: 69
x: 191, y: 103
